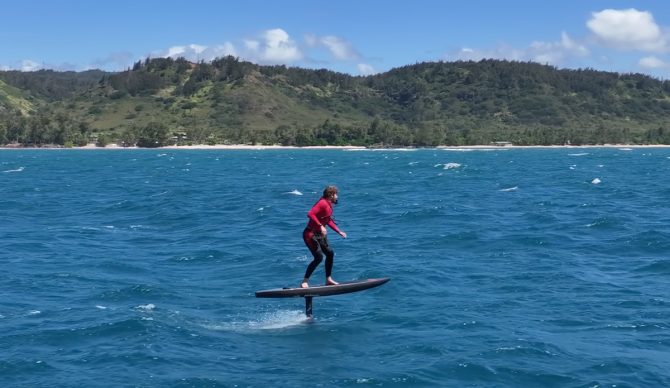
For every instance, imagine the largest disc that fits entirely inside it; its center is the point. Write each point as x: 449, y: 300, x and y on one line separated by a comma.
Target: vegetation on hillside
x: 163, y: 100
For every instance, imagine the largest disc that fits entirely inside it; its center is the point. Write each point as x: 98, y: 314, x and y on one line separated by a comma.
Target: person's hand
x: 323, y: 230
x: 344, y: 235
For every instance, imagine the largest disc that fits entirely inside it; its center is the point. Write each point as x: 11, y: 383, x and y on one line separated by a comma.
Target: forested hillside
x: 161, y: 101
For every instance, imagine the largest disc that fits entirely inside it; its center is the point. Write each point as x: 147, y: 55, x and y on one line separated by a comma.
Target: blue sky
x: 356, y: 37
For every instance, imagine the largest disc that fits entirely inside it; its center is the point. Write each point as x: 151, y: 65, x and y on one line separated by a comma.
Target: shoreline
x: 361, y: 148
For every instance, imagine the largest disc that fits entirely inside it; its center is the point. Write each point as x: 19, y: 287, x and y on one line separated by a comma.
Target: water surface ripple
x: 520, y: 267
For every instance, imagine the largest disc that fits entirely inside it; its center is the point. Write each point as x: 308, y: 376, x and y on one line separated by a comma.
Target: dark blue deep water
x: 510, y: 268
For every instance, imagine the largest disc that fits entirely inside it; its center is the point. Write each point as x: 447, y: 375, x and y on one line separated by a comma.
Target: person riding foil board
x: 315, y: 235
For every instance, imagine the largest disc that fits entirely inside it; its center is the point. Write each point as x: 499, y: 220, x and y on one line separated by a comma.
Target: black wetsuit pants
x: 318, y: 246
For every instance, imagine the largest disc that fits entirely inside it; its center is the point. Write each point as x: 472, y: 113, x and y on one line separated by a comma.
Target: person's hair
x: 329, y: 191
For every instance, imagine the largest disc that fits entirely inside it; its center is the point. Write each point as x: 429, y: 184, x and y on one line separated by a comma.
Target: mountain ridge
x: 425, y: 104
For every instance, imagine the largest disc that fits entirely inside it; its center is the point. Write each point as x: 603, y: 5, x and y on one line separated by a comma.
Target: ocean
x: 509, y: 268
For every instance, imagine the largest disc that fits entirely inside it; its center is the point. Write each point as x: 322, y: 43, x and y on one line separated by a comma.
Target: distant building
x: 177, y: 137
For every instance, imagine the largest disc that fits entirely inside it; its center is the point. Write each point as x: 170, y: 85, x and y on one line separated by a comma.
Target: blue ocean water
x: 510, y: 268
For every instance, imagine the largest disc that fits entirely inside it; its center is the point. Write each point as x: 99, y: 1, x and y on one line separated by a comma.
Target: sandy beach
x: 92, y: 146
x: 278, y: 147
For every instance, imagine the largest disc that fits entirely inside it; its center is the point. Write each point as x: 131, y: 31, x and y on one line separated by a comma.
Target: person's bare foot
x: 304, y: 284
x: 331, y: 282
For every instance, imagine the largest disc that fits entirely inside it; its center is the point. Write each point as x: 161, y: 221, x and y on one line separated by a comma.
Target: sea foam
x: 275, y: 320
x: 294, y: 192
x: 510, y: 189
x: 16, y: 170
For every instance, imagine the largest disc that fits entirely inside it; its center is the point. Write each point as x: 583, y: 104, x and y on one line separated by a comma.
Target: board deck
x: 342, y: 288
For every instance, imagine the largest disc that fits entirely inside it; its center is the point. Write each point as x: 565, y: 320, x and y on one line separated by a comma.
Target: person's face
x: 333, y: 198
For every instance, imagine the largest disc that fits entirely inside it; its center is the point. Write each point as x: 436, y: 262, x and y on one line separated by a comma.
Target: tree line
x: 44, y: 129
x: 427, y: 104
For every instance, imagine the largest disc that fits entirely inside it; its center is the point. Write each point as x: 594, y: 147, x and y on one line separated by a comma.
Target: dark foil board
x: 342, y: 288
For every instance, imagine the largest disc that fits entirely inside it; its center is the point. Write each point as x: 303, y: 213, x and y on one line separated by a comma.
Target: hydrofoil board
x: 323, y: 290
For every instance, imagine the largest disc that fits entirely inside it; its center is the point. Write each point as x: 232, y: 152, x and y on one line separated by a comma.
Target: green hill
x: 433, y: 103
x: 12, y: 98
x: 52, y: 85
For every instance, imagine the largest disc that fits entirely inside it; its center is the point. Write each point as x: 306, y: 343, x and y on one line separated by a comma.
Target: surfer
x: 315, y: 234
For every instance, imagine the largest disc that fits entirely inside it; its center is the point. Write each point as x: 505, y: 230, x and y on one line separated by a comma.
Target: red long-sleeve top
x: 321, y: 214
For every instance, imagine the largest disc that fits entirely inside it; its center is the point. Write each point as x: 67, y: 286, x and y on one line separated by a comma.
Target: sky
x: 358, y: 37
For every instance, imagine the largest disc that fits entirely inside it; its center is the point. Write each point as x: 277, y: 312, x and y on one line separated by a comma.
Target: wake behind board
x: 342, y: 288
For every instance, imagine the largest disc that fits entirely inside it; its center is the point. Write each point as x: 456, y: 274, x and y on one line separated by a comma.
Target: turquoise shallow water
x: 509, y: 268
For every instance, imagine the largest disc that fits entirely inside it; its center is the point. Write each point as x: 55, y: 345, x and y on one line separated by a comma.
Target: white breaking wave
x: 579, y: 154
x: 625, y: 149
x: 596, y: 181
x: 294, y: 192
x: 17, y: 170
x: 448, y: 166
x: 510, y: 188
x: 147, y: 307
x: 380, y: 149
x: 474, y: 149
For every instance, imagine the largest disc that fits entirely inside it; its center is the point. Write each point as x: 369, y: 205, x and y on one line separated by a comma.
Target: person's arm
x: 334, y: 227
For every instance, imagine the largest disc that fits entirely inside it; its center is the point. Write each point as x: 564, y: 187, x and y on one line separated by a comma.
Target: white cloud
x: 183, y: 51
x: 339, y: 48
x: 118, y: 59
x: 502, y: 52
x: 30, y: 65
x: 278, y: 47
x: 628, y: 29
x: 224, y: 50
x: 554, y: 53
x: 274, y: 46
x: 653, y: 62
x: 365, y: 69
x: 196, y: 52
x: 252, y: 45
x: 311, y: 40
x: 198, y: 49
x: 175, y: 51
x: 571, y: 45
